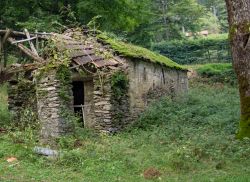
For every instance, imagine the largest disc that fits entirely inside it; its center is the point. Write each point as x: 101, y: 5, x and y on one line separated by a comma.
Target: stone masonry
x: 49, y: 104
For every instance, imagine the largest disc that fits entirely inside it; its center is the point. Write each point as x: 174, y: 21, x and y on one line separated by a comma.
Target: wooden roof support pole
x: 4, y: 55
x: 31, y: 44
x: 37, y: 42
x: 27, y: 51
x: 1, y: 53
x: 0, y: 48
x: 6, y: 36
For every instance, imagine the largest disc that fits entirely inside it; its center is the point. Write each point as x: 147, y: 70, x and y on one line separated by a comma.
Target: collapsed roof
x: 83, y: 47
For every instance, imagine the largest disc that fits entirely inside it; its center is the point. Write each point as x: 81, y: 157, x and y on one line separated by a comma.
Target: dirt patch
x: 151, y: 173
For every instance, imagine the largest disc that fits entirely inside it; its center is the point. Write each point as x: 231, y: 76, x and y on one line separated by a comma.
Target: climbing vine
x: 119, y: 87
x: 119, y: 84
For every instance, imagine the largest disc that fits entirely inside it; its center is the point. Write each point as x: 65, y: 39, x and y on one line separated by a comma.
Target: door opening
x: 78, y: 94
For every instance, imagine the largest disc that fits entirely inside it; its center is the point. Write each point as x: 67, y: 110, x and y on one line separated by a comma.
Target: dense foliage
x: 218, y: 9
x: 201, y: 50
x: 141, y: 22
x: 218, y: 72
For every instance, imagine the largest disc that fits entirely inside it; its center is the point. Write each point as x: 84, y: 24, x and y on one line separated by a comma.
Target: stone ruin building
x: 108, y: 83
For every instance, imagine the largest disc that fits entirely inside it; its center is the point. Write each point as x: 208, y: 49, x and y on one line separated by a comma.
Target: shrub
x: 218, y: 72
x: 204, y: 106
x: 4, y: 113
x: 201, y: 50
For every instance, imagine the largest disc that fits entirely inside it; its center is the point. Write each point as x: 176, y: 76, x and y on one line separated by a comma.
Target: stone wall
x: 21, y: 97
x: 102, y: 102
x: 88, y: 103
x: 111, y: 112
x: 52, y: 109
x: 148, y: 81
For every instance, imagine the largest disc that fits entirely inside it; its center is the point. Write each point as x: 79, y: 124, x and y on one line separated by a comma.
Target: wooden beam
x: 43, y: 35
x: 3, y: 51
x: 6, y: 36
x: 23, y: 40
x: 37, y: 42
x: 7, y: 73
x: 27, y: 51
x: 15, y: 68
x: 31, y: 44
x: 1, y: 48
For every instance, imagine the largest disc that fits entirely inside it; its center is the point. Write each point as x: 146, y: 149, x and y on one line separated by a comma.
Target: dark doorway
x: 78, y: 93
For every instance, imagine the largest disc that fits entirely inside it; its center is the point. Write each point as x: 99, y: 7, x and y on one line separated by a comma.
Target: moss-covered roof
x: 132, y: 51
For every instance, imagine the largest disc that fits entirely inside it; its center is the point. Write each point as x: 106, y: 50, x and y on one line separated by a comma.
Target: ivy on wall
x: 119, y: 84
x: 119, y: 87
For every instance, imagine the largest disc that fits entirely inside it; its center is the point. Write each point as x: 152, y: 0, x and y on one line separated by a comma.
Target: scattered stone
x: 11, y: 159
x: 101, y: 103
x: 46, y: 151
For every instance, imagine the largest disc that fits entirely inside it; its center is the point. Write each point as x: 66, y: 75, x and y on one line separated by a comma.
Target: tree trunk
x: 239, y: 35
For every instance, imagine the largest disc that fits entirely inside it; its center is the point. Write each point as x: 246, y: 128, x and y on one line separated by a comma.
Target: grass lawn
x: 189, y: 139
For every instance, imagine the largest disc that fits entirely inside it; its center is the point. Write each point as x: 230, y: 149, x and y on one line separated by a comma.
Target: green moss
x: 232, y: 31
x: 244, y: 130
x: 132, y: 51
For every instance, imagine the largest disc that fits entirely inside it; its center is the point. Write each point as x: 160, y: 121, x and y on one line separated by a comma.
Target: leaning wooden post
x: 37, y: 43
x: 0, y: 50
x: 4, y: 55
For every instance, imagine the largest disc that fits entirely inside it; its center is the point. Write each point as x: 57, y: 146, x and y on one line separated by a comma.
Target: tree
x: 114, y: 15
x: 171, y: 16
x: 239, y: 34
x: 218, y: 9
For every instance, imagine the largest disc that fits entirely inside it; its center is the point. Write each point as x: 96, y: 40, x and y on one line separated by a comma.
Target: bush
x: 4, y: 113
x: 201, y: 50
x: 220, y: 72
x: 204, y: 106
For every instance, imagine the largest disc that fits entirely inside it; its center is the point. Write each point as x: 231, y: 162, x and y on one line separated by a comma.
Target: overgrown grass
x: 189, y: 139
x: 216, y: 72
